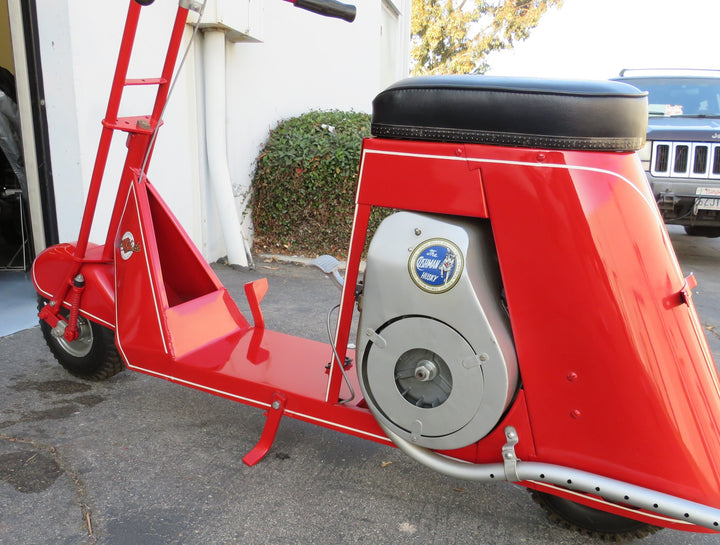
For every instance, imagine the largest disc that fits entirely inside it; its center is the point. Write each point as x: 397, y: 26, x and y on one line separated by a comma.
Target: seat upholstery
x: 518, y: 112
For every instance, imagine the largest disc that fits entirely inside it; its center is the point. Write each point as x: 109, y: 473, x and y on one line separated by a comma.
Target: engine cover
x: 436, y: 359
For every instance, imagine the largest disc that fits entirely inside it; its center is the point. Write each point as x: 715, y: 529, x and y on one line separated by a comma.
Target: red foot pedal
x: 255, y: 291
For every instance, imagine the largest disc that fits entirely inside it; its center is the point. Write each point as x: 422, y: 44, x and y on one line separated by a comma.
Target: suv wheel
x: 702, y: 231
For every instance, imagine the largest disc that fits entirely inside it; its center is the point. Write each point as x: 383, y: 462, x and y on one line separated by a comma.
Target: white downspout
x: 216, y: 141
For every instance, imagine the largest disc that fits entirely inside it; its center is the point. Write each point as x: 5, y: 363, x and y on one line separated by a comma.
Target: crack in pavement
x: 55, y: 455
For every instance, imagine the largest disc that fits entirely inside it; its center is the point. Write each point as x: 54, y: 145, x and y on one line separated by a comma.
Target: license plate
x: 707, y: 202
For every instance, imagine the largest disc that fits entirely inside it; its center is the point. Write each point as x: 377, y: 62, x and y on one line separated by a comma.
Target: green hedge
x: 304, y: 183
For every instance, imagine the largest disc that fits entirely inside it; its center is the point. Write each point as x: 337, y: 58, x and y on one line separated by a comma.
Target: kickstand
x: 275, y: 413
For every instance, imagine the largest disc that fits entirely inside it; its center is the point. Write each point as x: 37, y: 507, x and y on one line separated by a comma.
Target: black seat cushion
x: 519, y: 112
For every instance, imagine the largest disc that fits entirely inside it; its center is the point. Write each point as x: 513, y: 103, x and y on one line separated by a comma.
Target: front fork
x: 50, y: 313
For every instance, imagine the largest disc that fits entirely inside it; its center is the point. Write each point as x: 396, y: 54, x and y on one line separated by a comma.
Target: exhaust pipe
x: 514, y: 470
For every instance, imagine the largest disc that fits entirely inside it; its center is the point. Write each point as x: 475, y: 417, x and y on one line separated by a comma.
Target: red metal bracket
x: 49, y: 314
x: 274, y: 414
x: 686, y: 292
x: 683, y: 296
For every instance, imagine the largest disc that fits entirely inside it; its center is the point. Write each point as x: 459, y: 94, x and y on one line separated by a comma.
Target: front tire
x: 591, y: 522
x: 92, y: 356
x: 702, y: 231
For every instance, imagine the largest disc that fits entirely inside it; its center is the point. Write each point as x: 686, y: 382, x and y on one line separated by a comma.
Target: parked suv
x: 682, y: 153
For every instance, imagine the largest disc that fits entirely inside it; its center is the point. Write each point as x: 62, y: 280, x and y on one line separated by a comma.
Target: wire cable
x: 180, y: 65
x: 336, y: 357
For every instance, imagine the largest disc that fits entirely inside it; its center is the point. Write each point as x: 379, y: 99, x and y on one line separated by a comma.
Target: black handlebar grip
x: 328, y: 8
x: 144, y: 2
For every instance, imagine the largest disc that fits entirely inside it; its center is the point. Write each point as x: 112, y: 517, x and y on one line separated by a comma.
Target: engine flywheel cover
x: 426, y: 383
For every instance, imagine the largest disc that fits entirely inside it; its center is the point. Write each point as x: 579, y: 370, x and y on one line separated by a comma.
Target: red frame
x: 570, y: 229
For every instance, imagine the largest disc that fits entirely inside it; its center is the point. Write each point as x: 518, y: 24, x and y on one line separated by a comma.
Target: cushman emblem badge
x: 128, y: 246
x: 436, y: 265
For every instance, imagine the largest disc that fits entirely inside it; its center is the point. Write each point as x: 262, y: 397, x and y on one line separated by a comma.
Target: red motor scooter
x: 522, y: 317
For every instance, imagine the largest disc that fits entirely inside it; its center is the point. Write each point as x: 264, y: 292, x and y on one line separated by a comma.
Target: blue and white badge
x: 436, y: 265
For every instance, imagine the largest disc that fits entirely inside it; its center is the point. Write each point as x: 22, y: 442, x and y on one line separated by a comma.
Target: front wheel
x: 702, y: 231
x: 591, y: 522
x: 92, y: 356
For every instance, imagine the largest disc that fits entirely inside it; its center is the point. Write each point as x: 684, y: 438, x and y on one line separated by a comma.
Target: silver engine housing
x: 436, y: 359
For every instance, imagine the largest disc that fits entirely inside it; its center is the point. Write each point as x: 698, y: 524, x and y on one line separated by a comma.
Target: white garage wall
x: 304, y: 62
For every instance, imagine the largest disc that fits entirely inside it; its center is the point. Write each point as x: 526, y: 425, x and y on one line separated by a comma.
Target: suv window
x: 697, y: 97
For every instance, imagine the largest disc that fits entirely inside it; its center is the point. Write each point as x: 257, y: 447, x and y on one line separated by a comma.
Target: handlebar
x: 328, y: 8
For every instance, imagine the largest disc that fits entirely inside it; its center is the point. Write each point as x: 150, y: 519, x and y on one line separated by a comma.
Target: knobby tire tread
x: 102, y: 366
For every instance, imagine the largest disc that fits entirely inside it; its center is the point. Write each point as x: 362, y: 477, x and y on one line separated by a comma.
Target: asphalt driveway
x: 136, y: 460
